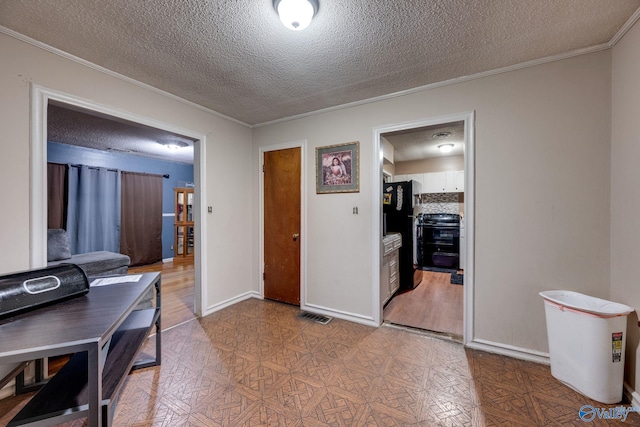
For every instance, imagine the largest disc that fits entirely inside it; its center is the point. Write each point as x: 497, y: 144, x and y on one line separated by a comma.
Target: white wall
x: 625, y: 194
x: 542, y: 192
x: 542, y: 183
x: 228, y: 172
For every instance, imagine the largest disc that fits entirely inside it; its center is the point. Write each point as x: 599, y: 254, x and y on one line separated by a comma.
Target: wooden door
x: 282, y: 225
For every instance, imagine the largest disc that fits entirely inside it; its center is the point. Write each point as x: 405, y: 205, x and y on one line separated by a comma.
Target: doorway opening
x: 426, y: 267
x: 122, y: 124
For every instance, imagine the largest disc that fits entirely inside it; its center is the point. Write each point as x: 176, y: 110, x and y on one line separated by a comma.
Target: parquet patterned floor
x: 256, y: 364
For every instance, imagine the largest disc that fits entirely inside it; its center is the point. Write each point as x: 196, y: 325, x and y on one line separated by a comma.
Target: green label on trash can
x: 616, y: 346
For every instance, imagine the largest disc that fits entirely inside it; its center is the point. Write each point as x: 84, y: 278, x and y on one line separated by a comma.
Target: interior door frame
x: 40, y: 97
x: 302, y: 144
x: 469, y: 212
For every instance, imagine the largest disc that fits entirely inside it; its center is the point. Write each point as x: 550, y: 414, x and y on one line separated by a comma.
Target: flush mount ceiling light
x: 174, y: 145
x: 445, y: 148
x: 296, y: 14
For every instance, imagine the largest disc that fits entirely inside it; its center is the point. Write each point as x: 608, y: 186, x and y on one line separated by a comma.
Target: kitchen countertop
x: 391, y: 242
x: 390, y: 237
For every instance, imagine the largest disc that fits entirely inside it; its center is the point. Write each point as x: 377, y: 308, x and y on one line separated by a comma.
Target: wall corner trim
x: 626, y: 27
x: 509, y: 350
x: 339, y: 314
x: 631, y: 395
x: 231, y: 301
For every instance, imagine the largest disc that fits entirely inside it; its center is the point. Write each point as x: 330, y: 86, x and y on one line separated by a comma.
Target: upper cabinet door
x: 434, y: 182
x: 416, y: 177
x: 458, y: 181
x: 443, y: 182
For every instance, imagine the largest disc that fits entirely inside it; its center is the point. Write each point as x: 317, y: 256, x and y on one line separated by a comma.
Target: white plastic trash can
x: 587, y: 342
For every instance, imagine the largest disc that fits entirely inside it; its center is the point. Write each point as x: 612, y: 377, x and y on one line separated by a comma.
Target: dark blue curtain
x: 93, y: 212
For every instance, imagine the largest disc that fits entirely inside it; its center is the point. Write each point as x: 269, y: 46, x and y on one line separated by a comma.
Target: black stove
x: 438, y: 241
x: 439, y: 219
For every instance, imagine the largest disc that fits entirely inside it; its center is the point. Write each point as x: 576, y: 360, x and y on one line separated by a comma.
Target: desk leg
x: 95, y: 386
x: 158, y: 325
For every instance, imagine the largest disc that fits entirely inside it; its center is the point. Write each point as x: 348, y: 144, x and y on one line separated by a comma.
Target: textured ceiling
x: 92, y: 130
x: 235, y: 57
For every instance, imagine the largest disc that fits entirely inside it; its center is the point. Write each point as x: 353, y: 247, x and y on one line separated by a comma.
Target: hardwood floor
x: 177, y: 290
x: 256, y: 364
x: 434, y: 305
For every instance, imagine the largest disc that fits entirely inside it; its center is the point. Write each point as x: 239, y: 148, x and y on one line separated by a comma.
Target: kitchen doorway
x: 430, y: 160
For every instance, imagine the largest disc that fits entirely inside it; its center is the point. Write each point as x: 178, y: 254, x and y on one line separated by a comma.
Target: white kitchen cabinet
x: 435, y: 182
x: 390, y: 275
x: 385, y: 289
x: 416, y: 177
x: 443, y: 182
x: 458, y: 181
x: 394, y: 272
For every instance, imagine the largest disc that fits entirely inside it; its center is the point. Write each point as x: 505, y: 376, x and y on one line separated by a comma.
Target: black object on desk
x: 27, y: 290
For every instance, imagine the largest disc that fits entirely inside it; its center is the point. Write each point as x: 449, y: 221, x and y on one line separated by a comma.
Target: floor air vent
x: 315, y: 317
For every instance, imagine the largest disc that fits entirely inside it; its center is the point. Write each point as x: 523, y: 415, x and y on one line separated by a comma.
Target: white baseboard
x: 8, y: 390
x: 631, y: 395
x: 538, y: 357
x: 29, y: 378
x: 165, y: 260
x: 356, y: 318
x: 231, y: 301
x: 305, y: 307
x: 510, y: 350
x: 476, y: 344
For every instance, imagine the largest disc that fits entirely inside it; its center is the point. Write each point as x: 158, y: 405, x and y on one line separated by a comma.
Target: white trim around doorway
x: 40, y: 97
x: 469, y: 212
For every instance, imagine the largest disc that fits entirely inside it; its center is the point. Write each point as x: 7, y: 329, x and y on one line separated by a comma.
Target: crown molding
x: 78, y: 60
x: 450, y: 82
x: 626, y: 27
x: 610, y: 44
x: 614, y: 40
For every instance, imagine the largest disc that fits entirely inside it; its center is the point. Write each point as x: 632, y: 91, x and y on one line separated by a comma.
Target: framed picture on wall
x: 338, y: 168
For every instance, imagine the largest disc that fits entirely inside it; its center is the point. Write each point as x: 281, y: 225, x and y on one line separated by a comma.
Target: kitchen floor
x: 257, y: 364
x: 434, y: 305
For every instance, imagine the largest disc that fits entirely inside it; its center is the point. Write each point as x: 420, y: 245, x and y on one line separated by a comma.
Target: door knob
x: 295, y: 236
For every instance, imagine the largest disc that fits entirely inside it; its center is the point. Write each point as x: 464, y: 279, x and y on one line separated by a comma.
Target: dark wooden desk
x: 104, y: 331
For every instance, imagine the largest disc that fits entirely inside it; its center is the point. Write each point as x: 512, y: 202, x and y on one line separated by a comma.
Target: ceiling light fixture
x: 296, y: 14
x: 445, y: 148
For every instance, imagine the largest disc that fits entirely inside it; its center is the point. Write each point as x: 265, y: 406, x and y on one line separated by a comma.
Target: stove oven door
x: 439, y: 246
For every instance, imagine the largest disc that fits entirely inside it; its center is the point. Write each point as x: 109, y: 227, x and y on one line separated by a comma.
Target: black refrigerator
x: 399, y: 201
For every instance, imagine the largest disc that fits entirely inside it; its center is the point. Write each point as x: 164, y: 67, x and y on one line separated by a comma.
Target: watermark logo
x: 589, y: 413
